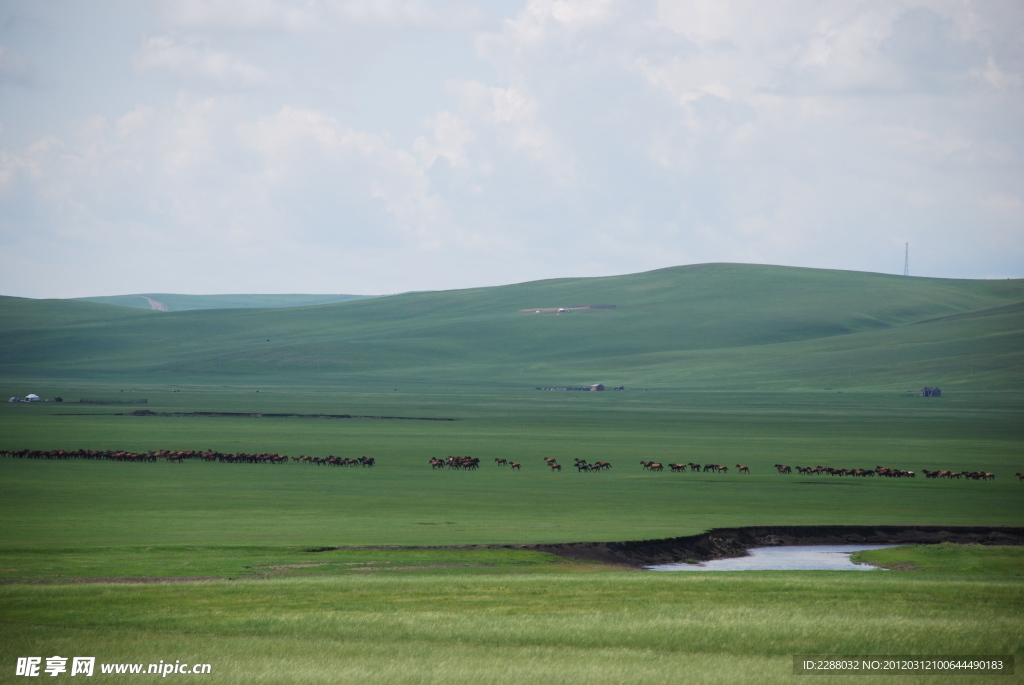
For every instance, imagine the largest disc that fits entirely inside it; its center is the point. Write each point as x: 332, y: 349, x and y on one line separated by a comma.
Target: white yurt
x: 31, y: 397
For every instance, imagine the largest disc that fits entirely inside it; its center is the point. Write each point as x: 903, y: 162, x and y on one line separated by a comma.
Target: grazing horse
x: 501, y: 462
x: 678, y: 468
x: 514, y: 465
x: 555, y: 466
x: 743, y: 469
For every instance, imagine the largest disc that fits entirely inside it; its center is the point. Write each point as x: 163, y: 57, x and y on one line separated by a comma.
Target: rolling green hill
x: 704, y: 326
x: 183, y: 303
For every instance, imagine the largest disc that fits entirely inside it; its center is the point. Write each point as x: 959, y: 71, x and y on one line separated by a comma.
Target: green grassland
x: 726, y: 364
x: 402, y: 501
x: 183, y: 303
x: 545, y: 626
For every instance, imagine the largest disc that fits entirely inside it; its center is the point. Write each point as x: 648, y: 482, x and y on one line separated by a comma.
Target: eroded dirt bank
x: 722, y: 543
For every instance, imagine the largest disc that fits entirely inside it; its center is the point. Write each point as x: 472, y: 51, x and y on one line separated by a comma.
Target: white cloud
x: 187, y: 60
x: 451, y: 135
x: 301, y: 16
x: 512, y: 114
x: 286, y: 15
x: 420, y: 14
x: 295, y: 145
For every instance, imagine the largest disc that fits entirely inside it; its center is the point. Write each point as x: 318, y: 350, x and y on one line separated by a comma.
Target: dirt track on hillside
x: 155, y: 304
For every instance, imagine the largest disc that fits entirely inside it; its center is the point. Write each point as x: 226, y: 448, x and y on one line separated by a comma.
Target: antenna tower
x: 906, y: 260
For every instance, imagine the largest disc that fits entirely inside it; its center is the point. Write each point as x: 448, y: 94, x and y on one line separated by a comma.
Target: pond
x: 786, y: 558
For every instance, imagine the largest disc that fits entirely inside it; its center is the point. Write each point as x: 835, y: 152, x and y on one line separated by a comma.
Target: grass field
x: 514, y: 627
x: 402, y: 501
x: 723, y: 364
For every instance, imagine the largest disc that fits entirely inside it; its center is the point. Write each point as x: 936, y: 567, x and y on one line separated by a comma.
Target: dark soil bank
x: 147, y: 412
x: 722, y: 543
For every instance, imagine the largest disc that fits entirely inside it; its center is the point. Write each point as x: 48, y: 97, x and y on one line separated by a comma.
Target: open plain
x: 298, y: 572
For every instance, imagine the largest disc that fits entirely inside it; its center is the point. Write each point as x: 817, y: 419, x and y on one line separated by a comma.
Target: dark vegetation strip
x: 86, y: 400
x: 723, y: 543
x: 261, y: 415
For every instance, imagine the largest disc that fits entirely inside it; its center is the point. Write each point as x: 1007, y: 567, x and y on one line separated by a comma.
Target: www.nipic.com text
x: 30, y: 666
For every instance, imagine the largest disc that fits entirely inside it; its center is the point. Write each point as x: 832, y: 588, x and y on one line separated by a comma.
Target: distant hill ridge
x: 708, y: 326
x: 170, y: 302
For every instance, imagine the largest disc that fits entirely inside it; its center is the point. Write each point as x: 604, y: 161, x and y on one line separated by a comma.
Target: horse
x: 515, y: 466
x: 743, y: 469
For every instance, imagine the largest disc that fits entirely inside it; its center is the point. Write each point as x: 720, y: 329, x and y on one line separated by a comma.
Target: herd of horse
x: 468, y: 463
x: 179, y: 456
x: 694, y: 467
x: 886, y: 472
x: 456, y: 463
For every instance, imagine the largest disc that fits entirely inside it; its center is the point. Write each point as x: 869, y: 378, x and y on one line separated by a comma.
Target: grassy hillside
x: 182, y: 303
x: 705, y: 326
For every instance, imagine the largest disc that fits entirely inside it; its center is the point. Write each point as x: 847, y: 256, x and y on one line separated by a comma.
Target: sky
x: 384, y: 146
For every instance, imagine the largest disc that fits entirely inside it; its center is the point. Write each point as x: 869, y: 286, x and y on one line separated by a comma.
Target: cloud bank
x: 205, y: 146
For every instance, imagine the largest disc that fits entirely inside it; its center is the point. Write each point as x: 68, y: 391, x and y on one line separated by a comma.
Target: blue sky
x: 358, y: 146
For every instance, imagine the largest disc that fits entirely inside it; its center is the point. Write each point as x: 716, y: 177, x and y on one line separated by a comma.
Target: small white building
x: 31, y: 397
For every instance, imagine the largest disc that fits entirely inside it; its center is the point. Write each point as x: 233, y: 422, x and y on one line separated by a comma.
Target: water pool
x: 785, y: 558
